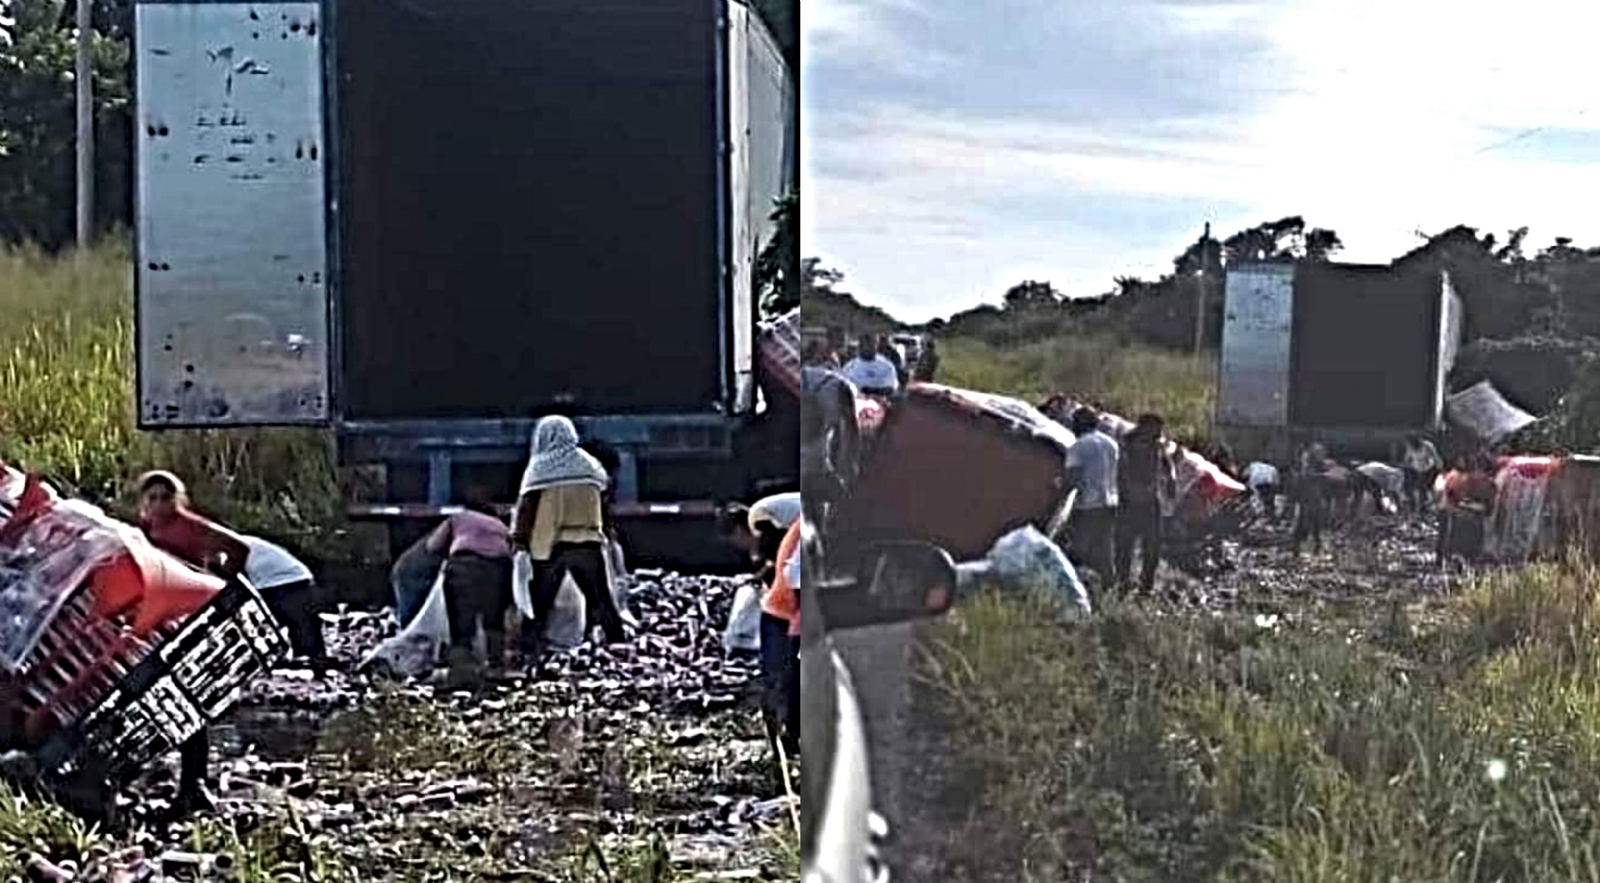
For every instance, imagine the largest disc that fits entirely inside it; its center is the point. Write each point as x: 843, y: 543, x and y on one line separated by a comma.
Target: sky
x: 953, y: 148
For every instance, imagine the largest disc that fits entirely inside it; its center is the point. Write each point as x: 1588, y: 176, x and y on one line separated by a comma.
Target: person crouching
x: 476, y: 546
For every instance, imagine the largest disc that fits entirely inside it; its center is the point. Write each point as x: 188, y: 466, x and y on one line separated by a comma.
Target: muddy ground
x: 648, y: 756
x: 1368, y: 564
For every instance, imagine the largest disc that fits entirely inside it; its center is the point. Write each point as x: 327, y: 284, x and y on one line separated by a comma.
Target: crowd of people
x: 1125, y: 494
x: 875, y: 364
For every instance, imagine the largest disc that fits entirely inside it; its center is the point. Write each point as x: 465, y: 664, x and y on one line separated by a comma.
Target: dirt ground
x: 642, y: 759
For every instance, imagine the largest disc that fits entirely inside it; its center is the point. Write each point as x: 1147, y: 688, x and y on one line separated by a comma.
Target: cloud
x: 1080, y: 146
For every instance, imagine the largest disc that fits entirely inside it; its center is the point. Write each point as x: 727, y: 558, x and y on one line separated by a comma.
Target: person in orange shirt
x: 165, y: 517
x: 780, y: 645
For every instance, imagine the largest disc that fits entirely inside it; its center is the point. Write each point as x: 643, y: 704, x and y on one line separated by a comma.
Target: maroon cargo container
x: 959, y: 469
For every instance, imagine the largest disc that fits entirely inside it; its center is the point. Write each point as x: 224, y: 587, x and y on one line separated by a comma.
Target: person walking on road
x: 559, y: 522
x: 476, y: 546
x: 165, y: 517
x: 927, y: 363
x: 870, y: 371
x: 1092, y: 471
x: 1422, y: 464
x: 1145, y: 478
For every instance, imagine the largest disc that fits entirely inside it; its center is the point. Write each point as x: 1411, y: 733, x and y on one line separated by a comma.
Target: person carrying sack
x: 559, y: 522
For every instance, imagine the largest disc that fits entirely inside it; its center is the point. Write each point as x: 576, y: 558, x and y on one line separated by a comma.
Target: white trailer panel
x: 1257, y: 334
x: 232, y: 274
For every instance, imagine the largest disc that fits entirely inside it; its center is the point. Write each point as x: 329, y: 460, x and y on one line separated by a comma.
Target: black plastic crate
x: 188, y: 681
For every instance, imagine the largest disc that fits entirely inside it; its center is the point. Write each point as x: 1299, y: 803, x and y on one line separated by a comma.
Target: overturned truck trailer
x: 425, y: 224
x: 1352, y: 355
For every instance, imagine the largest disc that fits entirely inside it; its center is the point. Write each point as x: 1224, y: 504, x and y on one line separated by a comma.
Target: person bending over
x: 165, y: 517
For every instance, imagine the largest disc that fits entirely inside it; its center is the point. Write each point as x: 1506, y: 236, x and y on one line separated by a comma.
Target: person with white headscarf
x: 559, y: 521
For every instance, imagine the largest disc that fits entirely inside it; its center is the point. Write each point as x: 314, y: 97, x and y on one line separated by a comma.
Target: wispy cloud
x: 1044, y: 140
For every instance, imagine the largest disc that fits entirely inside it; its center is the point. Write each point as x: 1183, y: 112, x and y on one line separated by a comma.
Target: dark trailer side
x: 426, y: 223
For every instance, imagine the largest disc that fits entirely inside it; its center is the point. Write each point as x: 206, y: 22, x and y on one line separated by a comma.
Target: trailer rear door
x: 232, y: 279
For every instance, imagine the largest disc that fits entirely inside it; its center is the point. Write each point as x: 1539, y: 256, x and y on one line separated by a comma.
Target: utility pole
x: 84, y: 76
x: 1200, y: 293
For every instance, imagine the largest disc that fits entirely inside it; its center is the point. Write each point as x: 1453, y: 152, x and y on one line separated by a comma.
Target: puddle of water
x: 275, y: 735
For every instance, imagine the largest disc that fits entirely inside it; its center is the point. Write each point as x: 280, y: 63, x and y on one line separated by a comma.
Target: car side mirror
x: 898, y: 582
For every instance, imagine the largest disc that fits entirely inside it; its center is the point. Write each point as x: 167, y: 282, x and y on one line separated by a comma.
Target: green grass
x: 1142, y: 747
x: 1127, y: 379
x: 67, y: 411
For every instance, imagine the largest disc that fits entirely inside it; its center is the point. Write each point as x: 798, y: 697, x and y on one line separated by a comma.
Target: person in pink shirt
x: 476, y: 544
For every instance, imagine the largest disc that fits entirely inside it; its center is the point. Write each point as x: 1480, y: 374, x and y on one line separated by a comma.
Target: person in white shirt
x: 290, y: 590
x: 1386, y: 484
x: 1422, y: 464
x: 1264, y: 483
x: 870, y: 371
x: 1092, y: 470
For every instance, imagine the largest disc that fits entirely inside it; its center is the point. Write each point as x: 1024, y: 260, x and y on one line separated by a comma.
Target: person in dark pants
x: 477, y: 582
x: 1145, y: 476
x: 780, y: 646
x: 1092, y: 470
x: 559, y: 520
x: 1311, y: 490
x: 927, y: 363
x: 290, y: 590
x: 165, y: 517
x: 888, y: 350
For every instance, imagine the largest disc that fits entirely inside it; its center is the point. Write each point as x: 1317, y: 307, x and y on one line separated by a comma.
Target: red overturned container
x: 957, y: 468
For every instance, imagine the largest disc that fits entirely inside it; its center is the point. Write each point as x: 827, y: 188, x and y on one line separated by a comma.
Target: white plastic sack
x: 744, y: 620
x: 621, y: 581
x: 416, y: 649
x: 1027, y: 559
x: 521, y: 582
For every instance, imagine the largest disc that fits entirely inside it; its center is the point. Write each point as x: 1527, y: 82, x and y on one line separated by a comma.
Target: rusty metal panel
x: 1257, y: 332
x: 232, y: 261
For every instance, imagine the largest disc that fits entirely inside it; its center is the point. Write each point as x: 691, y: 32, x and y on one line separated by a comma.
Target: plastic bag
x: 621, y: 581
x: 744, y: 620
x: 1026, y: 559
x: 522, y: 583
x: 412, y: 578
x: 416, y: 649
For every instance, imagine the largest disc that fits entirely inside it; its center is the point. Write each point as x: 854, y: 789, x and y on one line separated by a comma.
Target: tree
x: 1320, y: 244
x: 779, y: 275
x: 37, y: 121
x: 1031, y: 295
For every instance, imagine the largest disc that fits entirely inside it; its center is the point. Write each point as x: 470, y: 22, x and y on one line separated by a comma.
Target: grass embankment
x: 1127, y: 379
x: 67, y: 403
x: 1142, y: 747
